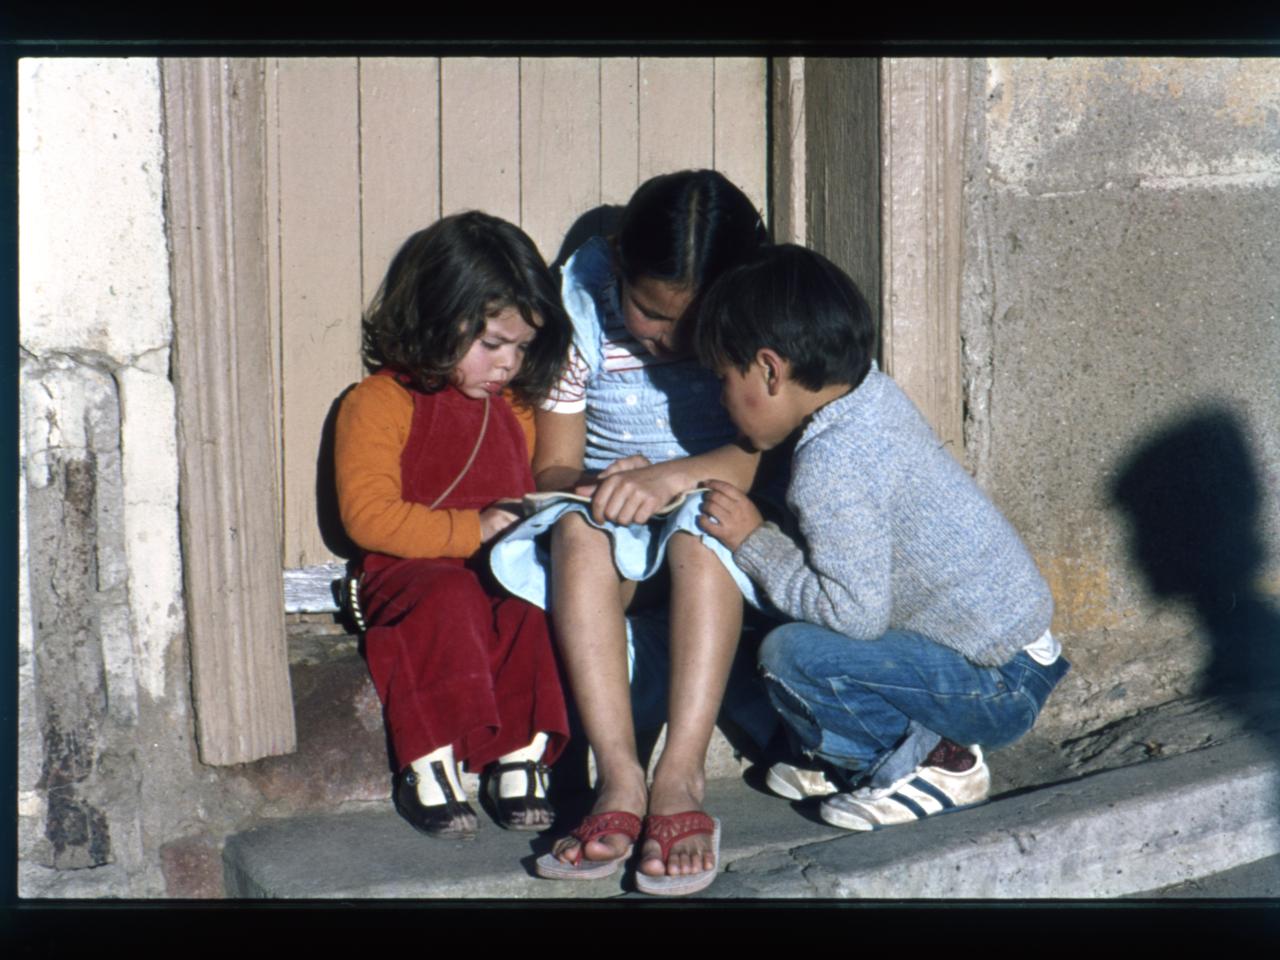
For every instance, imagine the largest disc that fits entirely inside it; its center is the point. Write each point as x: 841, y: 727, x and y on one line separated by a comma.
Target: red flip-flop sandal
x: 669, y: 830
x: 592, y: 827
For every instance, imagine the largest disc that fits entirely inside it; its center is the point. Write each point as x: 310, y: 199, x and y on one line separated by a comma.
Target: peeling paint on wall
x: 100, y: 606
x: 150, y: 460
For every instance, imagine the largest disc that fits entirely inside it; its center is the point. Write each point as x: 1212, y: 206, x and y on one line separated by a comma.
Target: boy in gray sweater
x: 921, y: 630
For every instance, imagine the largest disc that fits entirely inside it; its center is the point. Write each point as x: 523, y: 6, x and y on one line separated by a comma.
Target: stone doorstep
x: 1120, y: 832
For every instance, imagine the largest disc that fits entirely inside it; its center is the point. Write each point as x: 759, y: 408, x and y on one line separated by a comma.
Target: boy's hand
x: 728, y: 514
x: 494, y: 520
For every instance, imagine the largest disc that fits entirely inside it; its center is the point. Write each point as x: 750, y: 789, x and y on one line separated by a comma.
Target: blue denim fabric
x: 876, y: 708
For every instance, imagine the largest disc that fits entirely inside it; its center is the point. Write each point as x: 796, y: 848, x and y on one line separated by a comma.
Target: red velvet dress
x: 454, y: 658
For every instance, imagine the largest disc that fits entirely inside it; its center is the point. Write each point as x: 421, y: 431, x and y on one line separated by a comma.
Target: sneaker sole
x: 851, y: 821
x: 787, y: 789
x: 781, y: 787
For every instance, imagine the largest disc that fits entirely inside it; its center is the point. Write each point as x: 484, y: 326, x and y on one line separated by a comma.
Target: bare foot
x: 690, y: 855
x: 629, y: 796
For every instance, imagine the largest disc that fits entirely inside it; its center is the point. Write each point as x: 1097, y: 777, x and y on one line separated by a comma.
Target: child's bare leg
x: 588, y: 599
x: 706, y: 621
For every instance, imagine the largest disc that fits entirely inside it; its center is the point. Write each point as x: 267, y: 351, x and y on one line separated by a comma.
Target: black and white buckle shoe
x: 530, y: 812
x: 453, y: 819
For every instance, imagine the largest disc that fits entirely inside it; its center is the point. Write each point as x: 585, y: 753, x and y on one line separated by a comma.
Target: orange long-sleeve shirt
x: 370, y: 435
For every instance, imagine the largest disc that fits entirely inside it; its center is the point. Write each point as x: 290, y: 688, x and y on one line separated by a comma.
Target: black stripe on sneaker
x: 924, y: 786
x: 918, y: 811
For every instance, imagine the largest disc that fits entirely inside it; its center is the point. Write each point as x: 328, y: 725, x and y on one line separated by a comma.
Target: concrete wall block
x: 1122, y: 289
x: 1074, y: 124
x: 1146, y: 331
x: 92, y: 250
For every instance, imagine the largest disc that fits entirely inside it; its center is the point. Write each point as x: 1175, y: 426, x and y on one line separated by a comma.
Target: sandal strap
x: 535, y: 777
x: 596, y: 825
x: 670, y: 829
x: 451, y: 802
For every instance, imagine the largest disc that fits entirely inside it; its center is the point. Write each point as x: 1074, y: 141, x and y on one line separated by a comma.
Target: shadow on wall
x: 1193, y: 499
x: 332, y: 532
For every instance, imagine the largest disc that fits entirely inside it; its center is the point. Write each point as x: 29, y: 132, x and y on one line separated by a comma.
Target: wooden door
x: 361, y: 152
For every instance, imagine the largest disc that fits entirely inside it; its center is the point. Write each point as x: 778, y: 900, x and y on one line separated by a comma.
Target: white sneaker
x: 923, y: 792
x: 797, y: 783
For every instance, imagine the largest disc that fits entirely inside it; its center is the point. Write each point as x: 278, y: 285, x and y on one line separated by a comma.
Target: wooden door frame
x: 866, y: 165
x: 223, y: 378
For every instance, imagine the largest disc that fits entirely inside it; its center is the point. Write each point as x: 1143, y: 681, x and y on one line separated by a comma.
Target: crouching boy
x: 921, y: 623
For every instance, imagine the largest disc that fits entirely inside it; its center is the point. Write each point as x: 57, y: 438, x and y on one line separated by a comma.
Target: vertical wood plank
x: 216, y: 197
x: 399, y: 158
x: 676, y: 104
x: 480, y: 136
x: 842, y: 177
x: 271, y: 147
x: 559, y: 147
x: 788, y: 153
x: 619, y: 129
x: 739, y: 132
x: 922, y: 121
x: 320, y: 277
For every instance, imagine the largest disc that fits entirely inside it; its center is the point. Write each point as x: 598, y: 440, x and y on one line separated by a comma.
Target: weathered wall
x: 1122, y: 357
x: 112, y: 798
x: 104, y: 743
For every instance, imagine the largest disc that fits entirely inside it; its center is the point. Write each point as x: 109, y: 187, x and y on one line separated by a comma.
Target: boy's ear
x: 774, y: 368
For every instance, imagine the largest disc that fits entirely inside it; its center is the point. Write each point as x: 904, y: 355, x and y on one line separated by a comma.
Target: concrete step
x: 1139, y: 828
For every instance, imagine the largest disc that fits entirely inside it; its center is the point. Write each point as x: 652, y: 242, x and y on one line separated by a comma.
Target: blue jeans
x: 877, y: 708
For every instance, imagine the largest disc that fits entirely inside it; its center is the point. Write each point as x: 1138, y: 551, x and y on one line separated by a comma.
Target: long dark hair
x: 442, y: 284
x: 685, y: 229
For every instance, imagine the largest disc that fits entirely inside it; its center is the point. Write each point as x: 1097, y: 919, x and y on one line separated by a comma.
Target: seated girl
x: 634, y: 422
x: 466, y: 332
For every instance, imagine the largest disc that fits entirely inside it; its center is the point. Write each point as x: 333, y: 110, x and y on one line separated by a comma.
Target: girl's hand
x: 494, y: 520
x: 728, y: 514
x: 586, y: 483
x: 632, y: 489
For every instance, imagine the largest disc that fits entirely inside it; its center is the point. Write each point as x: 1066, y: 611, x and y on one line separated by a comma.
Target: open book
x: 531, y: 503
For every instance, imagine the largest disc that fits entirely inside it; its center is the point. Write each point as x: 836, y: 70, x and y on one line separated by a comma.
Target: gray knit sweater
x: 895, y: 534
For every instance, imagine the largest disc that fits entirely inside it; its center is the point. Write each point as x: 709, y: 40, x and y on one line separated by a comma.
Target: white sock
x: 514, y: 784
x: 429, y: 792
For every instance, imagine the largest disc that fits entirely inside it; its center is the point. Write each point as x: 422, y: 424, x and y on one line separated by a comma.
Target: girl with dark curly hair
x: 465, y: 335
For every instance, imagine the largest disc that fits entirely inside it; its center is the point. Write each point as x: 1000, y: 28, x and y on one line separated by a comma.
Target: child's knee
x: 572, y: 531
x: 684, y: 544
x: 696, y: 562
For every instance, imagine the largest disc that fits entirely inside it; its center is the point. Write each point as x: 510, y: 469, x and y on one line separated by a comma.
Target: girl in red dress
x: 465, y: 335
